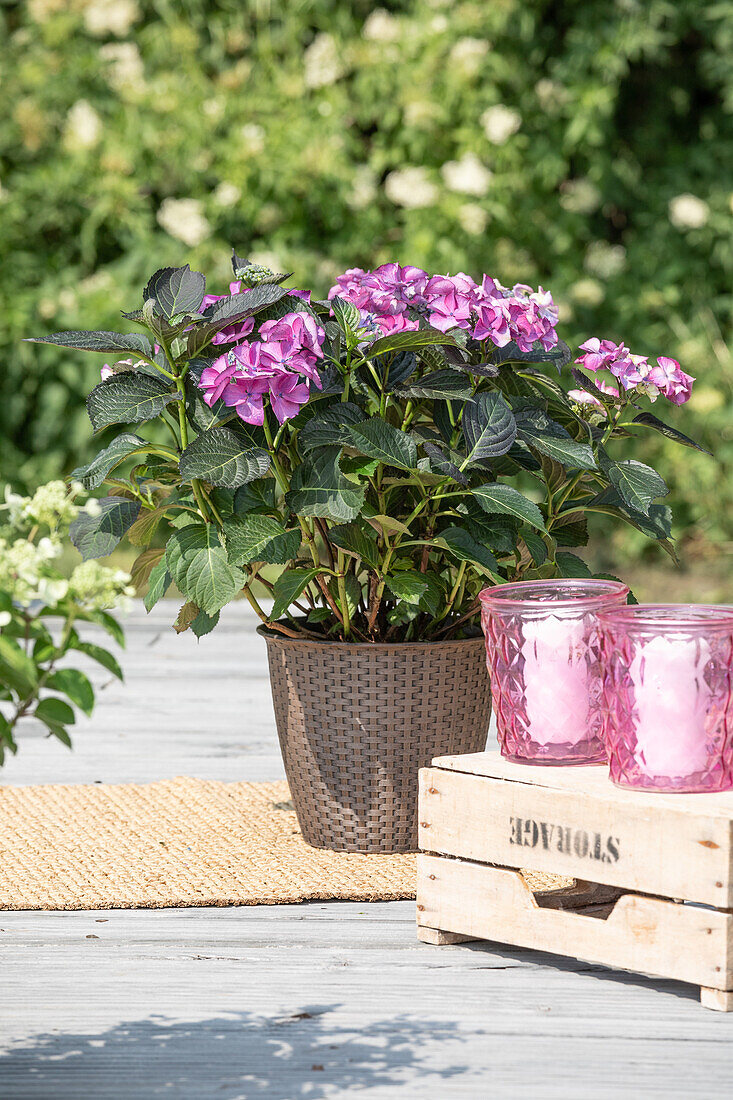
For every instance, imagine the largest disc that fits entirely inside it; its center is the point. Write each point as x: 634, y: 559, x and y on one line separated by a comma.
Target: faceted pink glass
x: 668, y: 673
x: 543, y: 654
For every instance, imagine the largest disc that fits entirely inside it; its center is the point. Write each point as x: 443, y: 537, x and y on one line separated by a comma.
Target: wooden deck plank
x: 304, y: 1001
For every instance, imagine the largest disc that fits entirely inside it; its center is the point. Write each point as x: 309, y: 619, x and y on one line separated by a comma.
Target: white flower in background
x: 551, y: 94
x: 411, y: 187
x: 605, y: 260
x: 688, y: 212
x: 467, y: 175
x: 41, y: 10
x: 500, y: 122
x: 51, y: 505
x: 93, y: 508
x: 214, y: 108
x: 15, y: 505
x: 439, y: 24
x: 51, y: 589
x: 126, y: 70
x: 468, y: 53
x: 184, y: 219
x: 227, y: 194
x: 83, y: 127
x: 253, y: 138
x: 473, y: 219
x: 418, y: 112
x: 363, y: 189
x: 579, y: 196
x: 97, y: 587
x: 380, y: 26
x: 5, y: 618
x: 323, y: 65
x: 587, y: 292
x: 103, y: 17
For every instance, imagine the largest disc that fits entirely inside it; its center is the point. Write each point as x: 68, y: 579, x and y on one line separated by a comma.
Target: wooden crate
x: 654, y: 872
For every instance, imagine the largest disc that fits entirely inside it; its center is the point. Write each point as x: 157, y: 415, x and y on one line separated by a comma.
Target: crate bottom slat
x: 460, y: 900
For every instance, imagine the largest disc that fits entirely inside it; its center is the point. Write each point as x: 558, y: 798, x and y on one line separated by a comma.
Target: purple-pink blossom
x: 634, y: 371
x: 392, y: 298
x: 671, y: 380
x: 583, y: 397
x: 275, y: 365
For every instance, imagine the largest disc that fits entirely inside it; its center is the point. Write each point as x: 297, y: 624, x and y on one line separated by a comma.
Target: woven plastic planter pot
x: 357, y: 721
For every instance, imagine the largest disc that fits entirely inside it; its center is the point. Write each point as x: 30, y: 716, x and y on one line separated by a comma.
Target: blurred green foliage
x: 580, y: 144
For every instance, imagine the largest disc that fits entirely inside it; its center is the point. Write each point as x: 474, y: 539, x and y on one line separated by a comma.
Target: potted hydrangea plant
x: 372, y: 460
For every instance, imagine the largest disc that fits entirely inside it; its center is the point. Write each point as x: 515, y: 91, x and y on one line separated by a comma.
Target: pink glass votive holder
x: 543, y: 654
x: 667, y: 696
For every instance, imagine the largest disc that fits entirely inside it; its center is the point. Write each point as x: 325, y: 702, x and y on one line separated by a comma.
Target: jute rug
x: 179, y: 842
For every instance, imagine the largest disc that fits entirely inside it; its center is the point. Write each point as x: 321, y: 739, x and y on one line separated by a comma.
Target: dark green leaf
x: 464, y: 546
x: 444, y: 464
x: 637, y: 484
x: 93, y: 474
x: 496, y: 497
x: 330, y: 427
x: 358, y: 539
x: 405, y: 341
x: 256, y: 496
x: 55, y: 712
x: 288, y: 587
x: 570, y: 565
x: 17, y: 670
x: 176, y: 290
x: 650, y: 421
x: 204, y: 624
x: 408, y: 585
x: 255, y: 537
x: 75, y: 685
x: 102, y: 656
x: 536, y: 546
x: 400, y: 369
x: 110, y: 342
x: 320, y: 488
x: 511, y: 353
x: 159, y: 582
x: 439, y: 384
x: 128, y: 398
x: 560, y: 446
x: 198, y: 564
x: 348, y: 317
x: 222, y: 457
x: 97, y: 536
x: 380, y: 440
x: 488, y: 426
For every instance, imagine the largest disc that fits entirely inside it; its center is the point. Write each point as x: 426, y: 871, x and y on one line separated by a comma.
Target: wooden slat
x: 586, y: 780
x: 645, y: 934
x: 580, y: 832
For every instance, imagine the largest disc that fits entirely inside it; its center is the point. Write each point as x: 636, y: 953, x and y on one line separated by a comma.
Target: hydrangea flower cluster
x: 280, y: 365
x: 28, y: 568
x: 390, y: 297
x: 634, y: 372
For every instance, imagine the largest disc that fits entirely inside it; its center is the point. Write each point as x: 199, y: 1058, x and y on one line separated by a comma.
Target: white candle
x: 556, y: 680
x: 672, y: 701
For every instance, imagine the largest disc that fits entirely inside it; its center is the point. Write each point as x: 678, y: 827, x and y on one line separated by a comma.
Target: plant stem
x: 342, y: 594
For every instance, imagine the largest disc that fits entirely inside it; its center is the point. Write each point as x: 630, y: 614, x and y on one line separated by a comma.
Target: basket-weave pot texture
x: 357, y: 721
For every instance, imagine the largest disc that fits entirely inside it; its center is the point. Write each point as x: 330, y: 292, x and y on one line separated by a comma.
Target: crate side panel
x: 594, y: 837
x: 647, y: 935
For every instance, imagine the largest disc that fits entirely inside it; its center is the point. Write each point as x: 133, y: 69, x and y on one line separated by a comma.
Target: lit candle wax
x: 672, y: 701
x: 556, y: 680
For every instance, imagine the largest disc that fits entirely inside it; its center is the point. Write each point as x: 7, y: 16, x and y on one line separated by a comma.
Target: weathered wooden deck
x: 305, y: 1001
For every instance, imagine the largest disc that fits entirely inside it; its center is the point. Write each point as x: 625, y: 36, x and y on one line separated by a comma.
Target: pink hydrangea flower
x: 450, y: 300
x: 287, y: 395
x: 273, y: 366
x: 237, y: 331
x: 582, y: 397
x: 671, y: 380
x: 634, y: 371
